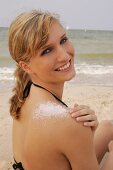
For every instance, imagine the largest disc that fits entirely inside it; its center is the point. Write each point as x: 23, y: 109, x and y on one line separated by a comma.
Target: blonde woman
x: 45, y: 136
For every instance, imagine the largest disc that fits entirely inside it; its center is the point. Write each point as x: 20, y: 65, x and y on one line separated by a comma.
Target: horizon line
x: 82, y: 29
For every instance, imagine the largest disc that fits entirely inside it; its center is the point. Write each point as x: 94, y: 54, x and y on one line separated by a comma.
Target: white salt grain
x: 49, y: 110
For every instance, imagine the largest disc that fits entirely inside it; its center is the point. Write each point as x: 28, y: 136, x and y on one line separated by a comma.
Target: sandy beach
x: 98, y: 98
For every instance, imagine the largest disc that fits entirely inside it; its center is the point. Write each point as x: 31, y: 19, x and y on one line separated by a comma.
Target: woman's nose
x: 62, y: 54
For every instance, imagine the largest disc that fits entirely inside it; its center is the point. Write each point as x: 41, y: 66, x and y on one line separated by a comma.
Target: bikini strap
x: 28, y: 87
x: 50, y: 92
x: 17, y: 165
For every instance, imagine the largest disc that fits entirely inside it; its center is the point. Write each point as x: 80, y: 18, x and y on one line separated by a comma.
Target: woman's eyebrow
x: 63, y: 36
x: 49, y: 45
x: 46, y: 46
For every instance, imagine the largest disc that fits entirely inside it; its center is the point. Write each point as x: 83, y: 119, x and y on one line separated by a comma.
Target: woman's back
x: 37, y: 146
x: 43, y: 135
x: 34, y: 135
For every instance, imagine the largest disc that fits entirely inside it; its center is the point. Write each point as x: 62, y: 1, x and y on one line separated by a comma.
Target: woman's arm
x: 108, y: 163
x: 76, y: 143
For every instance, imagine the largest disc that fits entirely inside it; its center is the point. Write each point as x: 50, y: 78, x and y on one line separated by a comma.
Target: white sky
x: 77, y: 14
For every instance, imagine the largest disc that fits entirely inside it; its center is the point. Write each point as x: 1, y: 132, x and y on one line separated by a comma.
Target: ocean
x: 93, y: 59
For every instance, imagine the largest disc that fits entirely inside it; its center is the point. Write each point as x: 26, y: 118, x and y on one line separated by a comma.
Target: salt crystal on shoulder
x: 50, y: 109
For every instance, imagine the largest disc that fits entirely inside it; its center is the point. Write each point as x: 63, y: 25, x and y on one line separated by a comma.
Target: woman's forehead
x: 56, y: 32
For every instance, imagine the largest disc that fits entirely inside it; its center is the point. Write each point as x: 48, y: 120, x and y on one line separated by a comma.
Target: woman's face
x: 54, y: 62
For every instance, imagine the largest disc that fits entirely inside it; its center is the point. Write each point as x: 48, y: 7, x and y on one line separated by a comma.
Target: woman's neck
x: 56, y: 89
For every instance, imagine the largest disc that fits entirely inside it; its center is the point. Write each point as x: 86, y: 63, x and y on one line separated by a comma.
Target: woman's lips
x: 64, y: 67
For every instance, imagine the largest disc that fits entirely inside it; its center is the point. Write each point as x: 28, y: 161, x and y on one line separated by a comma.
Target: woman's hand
x: 84, y: 114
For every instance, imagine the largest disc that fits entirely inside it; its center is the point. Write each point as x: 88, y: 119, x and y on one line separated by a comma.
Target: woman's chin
x: 71, y: 76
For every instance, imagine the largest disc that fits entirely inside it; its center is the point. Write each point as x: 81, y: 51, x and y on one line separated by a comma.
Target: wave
x: 6, y: 73
x: 94, y: 69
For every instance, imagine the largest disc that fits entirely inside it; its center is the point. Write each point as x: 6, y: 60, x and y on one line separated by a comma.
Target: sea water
x: 93, y: 58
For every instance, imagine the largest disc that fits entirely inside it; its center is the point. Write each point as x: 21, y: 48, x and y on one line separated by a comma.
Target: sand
x: 98, y: 98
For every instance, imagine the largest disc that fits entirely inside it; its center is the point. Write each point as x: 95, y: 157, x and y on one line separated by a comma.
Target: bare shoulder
x: 50, y: 114
x: 45, y: 116
x: 53, y: 125
x: 54, y: 120
x: 70, y: 131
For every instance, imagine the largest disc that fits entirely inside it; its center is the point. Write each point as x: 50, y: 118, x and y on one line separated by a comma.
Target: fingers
x: 79, y: 108
x: 87, y: 118
x: 89, y: 121
x: 91, y: 124
x: 83, y: 112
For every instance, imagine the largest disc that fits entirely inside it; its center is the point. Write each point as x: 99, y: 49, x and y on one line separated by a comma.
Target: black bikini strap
x: 18, y: 165
x: 27, y: 90
x: 50, y: 92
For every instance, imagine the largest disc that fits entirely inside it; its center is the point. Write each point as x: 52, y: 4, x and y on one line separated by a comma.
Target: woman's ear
x: 25, y: 67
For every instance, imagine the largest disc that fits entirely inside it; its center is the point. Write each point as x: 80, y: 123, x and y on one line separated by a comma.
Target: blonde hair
x: 27, y: 34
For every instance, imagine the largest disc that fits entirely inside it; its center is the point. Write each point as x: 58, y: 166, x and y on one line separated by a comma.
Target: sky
x: 75, y: 14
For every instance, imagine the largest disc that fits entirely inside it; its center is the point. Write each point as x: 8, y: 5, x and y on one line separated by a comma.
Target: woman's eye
x: 48, y: 50
x: 63, y: 40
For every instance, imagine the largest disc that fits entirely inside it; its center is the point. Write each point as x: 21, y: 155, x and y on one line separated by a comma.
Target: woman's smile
x: 66, y: 67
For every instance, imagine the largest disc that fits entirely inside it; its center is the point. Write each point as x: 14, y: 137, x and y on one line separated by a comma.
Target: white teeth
x: 64, y: 67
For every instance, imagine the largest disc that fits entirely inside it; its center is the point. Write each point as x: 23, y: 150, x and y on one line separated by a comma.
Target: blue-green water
x: 84, y: 41
x: 93, y: 59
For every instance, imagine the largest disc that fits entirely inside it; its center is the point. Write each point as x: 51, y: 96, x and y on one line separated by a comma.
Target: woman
x: 44, y: 134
